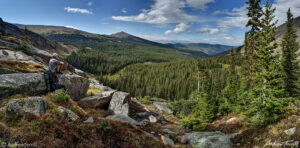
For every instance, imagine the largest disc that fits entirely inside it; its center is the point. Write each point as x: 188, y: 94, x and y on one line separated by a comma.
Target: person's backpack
x: 51, y: 81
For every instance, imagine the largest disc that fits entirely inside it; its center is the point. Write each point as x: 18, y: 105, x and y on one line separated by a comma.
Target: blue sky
x: 206, y: 21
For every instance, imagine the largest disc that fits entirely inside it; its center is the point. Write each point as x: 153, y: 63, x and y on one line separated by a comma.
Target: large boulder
x: 123, y: 118
x: 162, y: 107
x: 76, y: 86
x: 167, y: 141
x: 119, y: 103
x: 96, y: 84
x: 209, y: 140
x: 97, y: 101
x: 33, y: 84
x: 32, y: 105
x: 20, y: 83
x: 67, y: 114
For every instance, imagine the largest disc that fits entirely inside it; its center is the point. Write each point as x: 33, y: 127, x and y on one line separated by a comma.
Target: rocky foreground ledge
x: 33, y: 84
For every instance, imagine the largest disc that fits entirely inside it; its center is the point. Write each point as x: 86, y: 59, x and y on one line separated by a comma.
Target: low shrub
x: 61, y: 96
x: 192, y: 123
x: 104, y: 126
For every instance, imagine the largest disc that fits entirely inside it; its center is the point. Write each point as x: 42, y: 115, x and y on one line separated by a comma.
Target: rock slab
x: 123, y: 118
x: 101, y: 100
x: 67, y: 114
x: 33, y: 84
x: 167, y: 141
x: 32, y: 105
x: 162, y: 107
x: 119, y: 103
x: 209, y: 140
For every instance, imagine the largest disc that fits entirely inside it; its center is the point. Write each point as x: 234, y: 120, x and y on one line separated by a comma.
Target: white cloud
x: 90, y: 3
x: 161, y: 12
x: 200, y: 4
x: 180, y: 28
x: 72, y: 27
x: 211, y: 31
x: 168, y: 32
x: 237, y: 18
x: 77, y: 10
x: 221, y: 39
x: 124, y: 10
x: 282, y: 7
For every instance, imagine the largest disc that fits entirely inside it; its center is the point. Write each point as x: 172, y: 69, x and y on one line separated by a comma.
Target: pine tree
x: 290, y: 63
x: 251, y: 44
x: 267, y: 96
x: 232, y: 79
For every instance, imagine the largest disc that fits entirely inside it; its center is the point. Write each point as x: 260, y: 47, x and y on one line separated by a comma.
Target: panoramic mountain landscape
x: 150, y: 73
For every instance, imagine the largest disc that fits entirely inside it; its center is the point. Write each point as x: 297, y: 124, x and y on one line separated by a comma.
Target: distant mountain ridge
x: 195, y: 49
x: 209, y: 49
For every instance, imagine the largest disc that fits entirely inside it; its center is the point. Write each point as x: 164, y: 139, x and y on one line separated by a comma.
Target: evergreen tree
x: 231, y: 92
x: 267, y: 96
x: 251, y: 44
x: 290, y: 63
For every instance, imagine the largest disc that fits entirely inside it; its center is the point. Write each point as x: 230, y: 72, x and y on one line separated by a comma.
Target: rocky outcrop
x: 167, y: 141
x: 119, y: 103
x: 80, y: 73
x: 209, y: 140
x: 33, y: 84
x: 67, y: 114
x: 170, y: 133
x: 101, y: 100
x: 6, y: 71
x: 89, y: 120
x: 15, y: 56
x: 76, y: 86
x: 162, y: 107
x: 32, y: 105
x: 123, y: 118
x: 96, y: 84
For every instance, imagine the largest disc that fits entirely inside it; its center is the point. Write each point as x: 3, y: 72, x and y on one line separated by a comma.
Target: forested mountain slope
x: 209, y: 49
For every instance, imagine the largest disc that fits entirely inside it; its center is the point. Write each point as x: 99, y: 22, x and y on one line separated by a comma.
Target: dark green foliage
x: 107, y: 55
x: 183, y: 108
x: 290, y: 63
x: 61, y: 96
x: 251, y: 42
x: 267, y: 97
x: 104, y: 126
x: 23, y: 46
x: 173, y: 80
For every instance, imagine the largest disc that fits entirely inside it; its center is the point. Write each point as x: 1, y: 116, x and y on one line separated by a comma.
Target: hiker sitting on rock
x: 55, y: 67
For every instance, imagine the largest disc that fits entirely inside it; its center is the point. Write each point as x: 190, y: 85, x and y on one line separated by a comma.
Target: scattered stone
x: 76, y: 86
x: 290, y: 131
x: 153, y: 119
x: 233, y: 120
x: 298, y: 121
x: 97, y: 101
x: 145, y: 122
x: 183, y: 139
x: 32, y: 105
x: 123, y: 118
x: 164, y: 122
x: 89, y: 120
x: 67, y: 114
x: 170, y: 133
x: 143, y: 114
x: 119, y: 103
x: 152, y: 136
x: 161, y: 107
x: 81, y: 73
x: 209, y: 139
x: 167, y: 141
